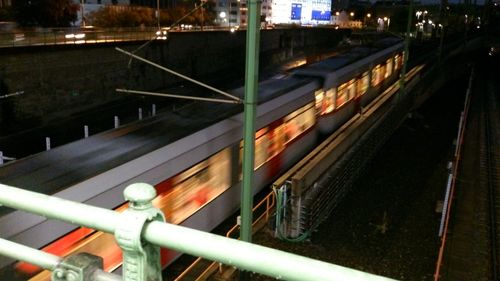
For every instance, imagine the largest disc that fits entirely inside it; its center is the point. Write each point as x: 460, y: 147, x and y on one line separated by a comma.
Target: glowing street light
x: 222, y: 16
x: 388, y: 20
x: 367, y: 16
x: 352, y: 14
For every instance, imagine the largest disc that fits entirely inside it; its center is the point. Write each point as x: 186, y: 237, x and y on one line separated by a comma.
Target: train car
x: 192, y: 156
x: 194, y: 163
x: 352, y: 80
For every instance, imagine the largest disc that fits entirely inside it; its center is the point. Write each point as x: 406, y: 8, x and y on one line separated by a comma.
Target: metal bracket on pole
x: 78, y: 267
x: 141, y: 260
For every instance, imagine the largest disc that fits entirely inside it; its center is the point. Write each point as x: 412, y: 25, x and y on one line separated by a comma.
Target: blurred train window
x: 261, y: 149
x: 377, y: 74
x: 261, y: 145
x: 195, y: 187
x: 298, y: 122
x: 271, y: 141
x: 277, y: 141
x: 383, y: 68
x: 328, y: 103
x: 363, y: 83
x: 319, y: 95
x: 351, y: 89
x: 345, y: 92
x: 324, y: 101
x: 397, y: 62
x: 388, y: 69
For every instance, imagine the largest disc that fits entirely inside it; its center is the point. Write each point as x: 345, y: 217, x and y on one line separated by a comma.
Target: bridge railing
x: 90, y: 35
x: 65, y: 36
x: 140, y: 231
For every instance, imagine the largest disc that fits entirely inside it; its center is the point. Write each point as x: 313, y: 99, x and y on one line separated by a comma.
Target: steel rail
x: 493, y: 203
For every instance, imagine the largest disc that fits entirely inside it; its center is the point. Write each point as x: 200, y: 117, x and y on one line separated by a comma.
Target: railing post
x: 141, y: 259
x: 78, y: 267
x: 47, y: 143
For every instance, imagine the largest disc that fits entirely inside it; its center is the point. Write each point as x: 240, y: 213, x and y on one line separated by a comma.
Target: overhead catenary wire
x: 180, y: 75
x: 175, y: 96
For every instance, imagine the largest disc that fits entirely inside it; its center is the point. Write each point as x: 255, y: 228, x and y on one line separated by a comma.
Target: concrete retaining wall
x: 58, y: 81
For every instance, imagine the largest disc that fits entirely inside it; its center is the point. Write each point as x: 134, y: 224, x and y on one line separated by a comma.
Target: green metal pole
x: 251, y: 85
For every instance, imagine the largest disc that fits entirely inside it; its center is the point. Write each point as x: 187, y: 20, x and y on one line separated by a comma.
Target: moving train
x: 193, y: 155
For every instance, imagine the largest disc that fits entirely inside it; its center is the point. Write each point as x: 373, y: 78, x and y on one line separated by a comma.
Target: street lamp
x: 222, y: 16
x: 388, y: 20
x: 418, y: 14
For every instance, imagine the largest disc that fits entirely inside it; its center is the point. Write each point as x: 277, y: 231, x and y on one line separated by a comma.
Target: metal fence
x: 90, y: 35
x: 63, y: 36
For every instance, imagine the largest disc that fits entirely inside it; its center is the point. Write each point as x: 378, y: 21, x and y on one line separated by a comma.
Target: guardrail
x: 140, y: 232
x: 20, y: 38
x: 452, y: 177
x: 71, y: 36
x: 263, y: 217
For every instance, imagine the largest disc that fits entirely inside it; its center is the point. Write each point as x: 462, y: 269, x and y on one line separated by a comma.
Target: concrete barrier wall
x: 58, y: 81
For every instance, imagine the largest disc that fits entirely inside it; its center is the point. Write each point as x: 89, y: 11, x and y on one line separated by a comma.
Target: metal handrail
x: 244, y: 255
x: 270, y: 201
x: 43, y: 259
x: 71, y: 36
x: 187, y: 270
x: 452, y: 182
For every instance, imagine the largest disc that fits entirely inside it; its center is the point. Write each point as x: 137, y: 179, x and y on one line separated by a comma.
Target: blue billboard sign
x: 320, y: 15
x: 296, y: 11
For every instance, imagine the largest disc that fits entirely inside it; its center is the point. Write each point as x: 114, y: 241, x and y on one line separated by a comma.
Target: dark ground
x: 387, y: 224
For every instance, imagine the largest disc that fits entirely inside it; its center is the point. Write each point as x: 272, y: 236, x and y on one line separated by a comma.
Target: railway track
x: 490, y: 153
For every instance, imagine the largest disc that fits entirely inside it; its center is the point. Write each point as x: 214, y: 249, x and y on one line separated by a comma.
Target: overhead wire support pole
x: 179, y: 75
x: 407, y: 48
x: 251, y: 87
x: 175, y: 96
